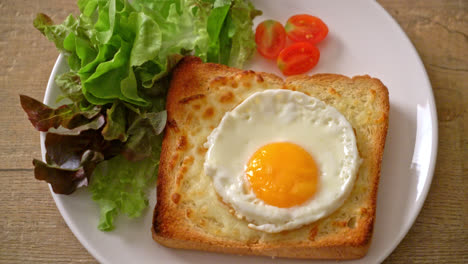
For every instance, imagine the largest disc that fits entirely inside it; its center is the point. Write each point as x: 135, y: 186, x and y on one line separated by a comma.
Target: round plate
x: 363, y: 39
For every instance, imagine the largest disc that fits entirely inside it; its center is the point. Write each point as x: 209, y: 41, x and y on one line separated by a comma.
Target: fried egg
x: 282, y: 159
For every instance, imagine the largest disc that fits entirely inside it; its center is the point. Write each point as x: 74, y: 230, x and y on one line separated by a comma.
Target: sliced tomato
x: 270, y: 37
x: 298, y: 58
x: 306, y: 28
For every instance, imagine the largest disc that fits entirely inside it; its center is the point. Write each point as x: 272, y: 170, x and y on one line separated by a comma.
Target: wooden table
x: 33, y: 231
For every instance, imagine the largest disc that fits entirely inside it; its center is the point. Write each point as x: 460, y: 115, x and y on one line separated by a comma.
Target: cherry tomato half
x: 270, y: 37
x: 306, y: 28
x: 298, y: 58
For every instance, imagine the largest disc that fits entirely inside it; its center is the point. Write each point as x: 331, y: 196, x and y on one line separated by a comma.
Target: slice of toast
x: 190, y: 215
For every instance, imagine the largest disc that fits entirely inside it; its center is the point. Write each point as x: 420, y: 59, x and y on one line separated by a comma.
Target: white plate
x: 363, y: 39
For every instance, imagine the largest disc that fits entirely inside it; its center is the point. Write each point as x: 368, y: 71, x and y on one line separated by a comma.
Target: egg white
x: 282, y: 116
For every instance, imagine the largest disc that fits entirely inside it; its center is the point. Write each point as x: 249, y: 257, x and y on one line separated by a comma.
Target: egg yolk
x: 282, y: 174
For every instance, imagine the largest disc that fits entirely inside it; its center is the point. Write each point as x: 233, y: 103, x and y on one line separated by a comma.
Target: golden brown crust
x: 191, y: 82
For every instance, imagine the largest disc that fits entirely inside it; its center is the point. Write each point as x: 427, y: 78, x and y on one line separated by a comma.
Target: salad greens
x: 120, y: 54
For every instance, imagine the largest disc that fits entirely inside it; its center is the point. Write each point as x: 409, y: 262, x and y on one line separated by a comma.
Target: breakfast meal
x: 246, y: 162
x: 252, y: 164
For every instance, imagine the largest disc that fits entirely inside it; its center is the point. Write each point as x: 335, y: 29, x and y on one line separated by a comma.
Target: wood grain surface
x: 33, y: 231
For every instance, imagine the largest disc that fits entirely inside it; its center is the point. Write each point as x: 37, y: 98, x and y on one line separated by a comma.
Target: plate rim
x: 382, y: 256
x: 435, y: 137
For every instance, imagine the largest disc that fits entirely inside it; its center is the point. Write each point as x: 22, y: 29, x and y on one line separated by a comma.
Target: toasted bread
x: 190, y: 215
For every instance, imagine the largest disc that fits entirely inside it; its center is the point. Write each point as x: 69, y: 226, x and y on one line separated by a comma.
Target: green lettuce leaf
x: 243, y: 39
x: 182, y: 31
x: 219, y: 3
x: 215, y: 24
x: 225, y: 40
x: 147, y: 41
x: 70, y: 85
x: 119, y: 186
x: 142, y: 133
x: 216, y: 20
x: 87, y: 7
x: 55, y: 33
x: 116, y: 123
